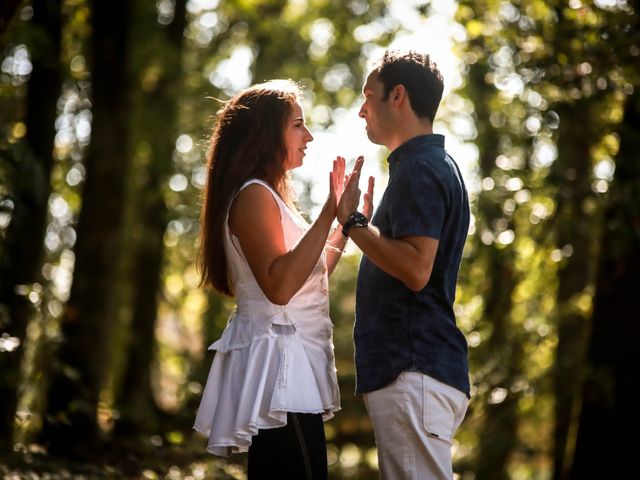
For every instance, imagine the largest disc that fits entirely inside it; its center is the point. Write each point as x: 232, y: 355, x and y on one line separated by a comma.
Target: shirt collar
x: 408, y: 146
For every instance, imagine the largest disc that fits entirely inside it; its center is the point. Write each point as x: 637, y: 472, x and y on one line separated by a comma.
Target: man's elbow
x: 418, y: 280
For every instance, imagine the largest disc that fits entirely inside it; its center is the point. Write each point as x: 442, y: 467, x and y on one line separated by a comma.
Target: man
x: 411, y: 359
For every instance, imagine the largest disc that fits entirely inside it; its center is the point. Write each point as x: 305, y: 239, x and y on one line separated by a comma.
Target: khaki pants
x: 414, y: 420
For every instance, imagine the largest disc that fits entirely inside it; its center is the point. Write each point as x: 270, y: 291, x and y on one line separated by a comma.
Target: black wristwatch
x: 356, y: 219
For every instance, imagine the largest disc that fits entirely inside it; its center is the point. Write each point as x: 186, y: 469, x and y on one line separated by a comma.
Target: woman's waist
x: 244, y: 326
x: 295, y: 312
x: 306, y: 299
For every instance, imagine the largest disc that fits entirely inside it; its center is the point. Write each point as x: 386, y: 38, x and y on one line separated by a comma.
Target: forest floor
x: 152, y: 458
x: 187, y: 461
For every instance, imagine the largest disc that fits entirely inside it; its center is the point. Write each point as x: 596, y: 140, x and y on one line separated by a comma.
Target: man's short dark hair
x: 418, y: 74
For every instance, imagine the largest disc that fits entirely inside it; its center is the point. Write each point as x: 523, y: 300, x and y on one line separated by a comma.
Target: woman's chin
x: 293, y: 166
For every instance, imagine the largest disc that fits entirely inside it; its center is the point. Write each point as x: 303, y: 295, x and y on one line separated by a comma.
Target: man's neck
x: 407, y: 133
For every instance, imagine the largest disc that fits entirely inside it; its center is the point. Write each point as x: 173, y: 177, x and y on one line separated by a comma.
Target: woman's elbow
x: 278, y: 296
x: 279, y: 301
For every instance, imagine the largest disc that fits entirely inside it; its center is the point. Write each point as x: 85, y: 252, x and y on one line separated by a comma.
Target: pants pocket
x: 443, y: 408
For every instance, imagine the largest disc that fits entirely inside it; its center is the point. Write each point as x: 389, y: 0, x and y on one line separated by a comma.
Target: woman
x: 273, y: 378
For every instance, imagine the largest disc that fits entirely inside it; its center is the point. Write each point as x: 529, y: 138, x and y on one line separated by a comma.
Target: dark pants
x: 296, y: 451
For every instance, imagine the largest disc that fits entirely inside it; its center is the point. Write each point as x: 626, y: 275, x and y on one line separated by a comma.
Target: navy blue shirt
x: 397, y: 329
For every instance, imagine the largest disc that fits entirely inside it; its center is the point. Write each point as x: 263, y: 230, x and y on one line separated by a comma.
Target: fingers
x: 369, y: 195
x: 358, y: 165
x: 332, y: 187
x: 341, y: 181
x: 367, y: 206
x: 357, y: 169
x: 338, y: 174
x: 352, y: 181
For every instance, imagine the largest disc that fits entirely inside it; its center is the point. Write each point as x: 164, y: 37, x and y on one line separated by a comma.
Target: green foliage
x: 547, y: 92
x: 546, y: 84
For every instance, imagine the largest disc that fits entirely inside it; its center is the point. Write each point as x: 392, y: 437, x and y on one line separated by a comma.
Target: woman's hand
x: 338, y: 179
x: 336, y: 186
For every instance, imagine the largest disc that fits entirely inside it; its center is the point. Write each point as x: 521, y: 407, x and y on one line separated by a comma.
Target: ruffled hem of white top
x: 254, y: 382
x: 271, y: 359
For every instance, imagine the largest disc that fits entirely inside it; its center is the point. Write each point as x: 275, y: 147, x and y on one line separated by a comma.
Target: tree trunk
x: 70, y: 423
x: 499, y: 427
x: 575, y: 233
x: 159, y: 114
x: 31, y: 182
x: 7, y: 10
x: 605, y: 447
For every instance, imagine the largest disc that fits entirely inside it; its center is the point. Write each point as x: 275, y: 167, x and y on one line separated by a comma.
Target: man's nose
x: 362, y: 113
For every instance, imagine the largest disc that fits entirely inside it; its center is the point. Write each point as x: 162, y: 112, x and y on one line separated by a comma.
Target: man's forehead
x: 371, y: 82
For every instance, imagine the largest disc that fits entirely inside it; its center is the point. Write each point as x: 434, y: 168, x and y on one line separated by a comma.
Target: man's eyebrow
x: 298, y: 118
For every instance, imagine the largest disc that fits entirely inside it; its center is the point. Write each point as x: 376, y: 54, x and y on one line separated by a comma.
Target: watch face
x: 356, y: 219
x: 359, y: 219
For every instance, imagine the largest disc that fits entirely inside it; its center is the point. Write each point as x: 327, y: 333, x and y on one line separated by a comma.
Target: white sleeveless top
x: 271, y: 359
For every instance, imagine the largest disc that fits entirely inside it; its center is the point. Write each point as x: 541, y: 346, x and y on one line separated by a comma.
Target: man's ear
x: 397, y: 94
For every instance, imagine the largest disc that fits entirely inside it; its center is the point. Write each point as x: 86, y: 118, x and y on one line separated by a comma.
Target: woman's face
x: 296, y: 137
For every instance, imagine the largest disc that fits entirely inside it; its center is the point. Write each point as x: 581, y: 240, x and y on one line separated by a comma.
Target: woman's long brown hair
x: 247, y: 142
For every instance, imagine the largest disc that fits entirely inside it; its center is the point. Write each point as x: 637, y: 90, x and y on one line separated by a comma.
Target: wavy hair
x: 247, y: 142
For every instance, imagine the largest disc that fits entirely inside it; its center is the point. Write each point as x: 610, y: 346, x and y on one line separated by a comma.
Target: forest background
x: 105, y: 112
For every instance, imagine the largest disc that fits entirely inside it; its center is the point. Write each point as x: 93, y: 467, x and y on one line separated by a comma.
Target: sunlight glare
x: 196, y: 6
x: 233, y: 74
x: 436, y: 35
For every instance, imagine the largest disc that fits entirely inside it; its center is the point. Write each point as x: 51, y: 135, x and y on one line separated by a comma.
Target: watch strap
x: 356, y: 219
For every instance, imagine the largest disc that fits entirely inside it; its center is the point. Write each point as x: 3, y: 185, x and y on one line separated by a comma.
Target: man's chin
x: 373, y: 139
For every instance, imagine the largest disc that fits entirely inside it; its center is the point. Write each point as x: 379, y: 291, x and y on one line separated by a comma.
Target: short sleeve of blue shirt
x: 417, y: 204
x: 397, y: 329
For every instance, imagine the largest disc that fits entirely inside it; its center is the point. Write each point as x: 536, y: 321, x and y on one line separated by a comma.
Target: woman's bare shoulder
x: 254, y: 204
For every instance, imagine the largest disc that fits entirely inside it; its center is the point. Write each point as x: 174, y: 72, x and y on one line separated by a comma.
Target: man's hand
x: 367, y: 207
x: 351, y: 195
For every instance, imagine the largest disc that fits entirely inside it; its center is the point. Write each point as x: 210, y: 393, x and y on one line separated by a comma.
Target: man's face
x: 375, y: 110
